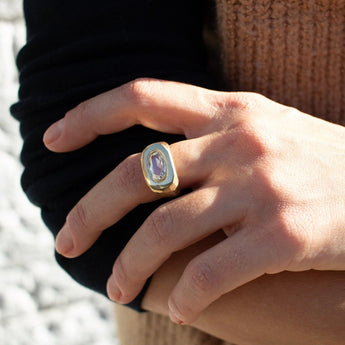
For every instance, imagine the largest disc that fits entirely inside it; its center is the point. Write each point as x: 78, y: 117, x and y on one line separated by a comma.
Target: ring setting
x: 159, y: 169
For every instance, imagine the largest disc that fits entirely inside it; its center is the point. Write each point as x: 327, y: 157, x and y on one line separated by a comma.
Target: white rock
x: 39, y: 303
x: 16, y: 301
x: 10, y: 10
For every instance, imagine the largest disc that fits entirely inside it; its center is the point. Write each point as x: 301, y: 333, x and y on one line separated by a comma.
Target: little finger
x: 224, y: 267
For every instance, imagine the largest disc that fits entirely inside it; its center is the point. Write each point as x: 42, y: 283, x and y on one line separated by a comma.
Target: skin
x: 288, y: 308
x: 268, y: 175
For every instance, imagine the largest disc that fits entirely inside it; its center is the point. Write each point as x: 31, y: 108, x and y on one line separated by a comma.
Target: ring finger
x: 172, y: 227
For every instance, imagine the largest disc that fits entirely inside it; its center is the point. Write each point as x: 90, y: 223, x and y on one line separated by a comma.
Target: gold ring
x: 159, y: 169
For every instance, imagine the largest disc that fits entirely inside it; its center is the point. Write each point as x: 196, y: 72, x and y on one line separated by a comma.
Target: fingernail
x: 174, y: 318
x: 172, y: 314
x: 53, y: 132
x: 113, y: 290
x: 64, y: 242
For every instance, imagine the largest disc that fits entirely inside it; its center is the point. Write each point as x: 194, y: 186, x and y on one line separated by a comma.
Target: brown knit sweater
x: 292, y: 52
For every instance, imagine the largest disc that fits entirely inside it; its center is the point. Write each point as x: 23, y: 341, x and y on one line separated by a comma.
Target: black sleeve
x: 76, y: 50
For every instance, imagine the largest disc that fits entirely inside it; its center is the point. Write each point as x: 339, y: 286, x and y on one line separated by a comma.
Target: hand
x: 270, y: 176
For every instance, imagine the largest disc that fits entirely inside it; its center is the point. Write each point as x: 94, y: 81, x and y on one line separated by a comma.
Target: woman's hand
x: 270, y: 176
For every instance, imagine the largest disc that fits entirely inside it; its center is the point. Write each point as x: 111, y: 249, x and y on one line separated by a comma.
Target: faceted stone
x: 158, y: 166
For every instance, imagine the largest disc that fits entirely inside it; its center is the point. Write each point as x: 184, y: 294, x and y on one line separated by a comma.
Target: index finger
x: 165, y: 106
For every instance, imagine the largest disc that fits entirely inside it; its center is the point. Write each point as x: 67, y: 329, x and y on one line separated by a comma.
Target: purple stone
x: 157, y: 166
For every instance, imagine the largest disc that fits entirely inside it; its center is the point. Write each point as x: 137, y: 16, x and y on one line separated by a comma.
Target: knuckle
x: 247, y: 139
x: 244, y: 132
x: 253, y: 139
x: 82, y: 112
x: 201, y: 277
x: 78, y: 219
x: 129, y: 173
x: 250, y: 101
x: 160, y: 227
x: 242, y: 102
x: 286, y: 241
x: 292, y: 229
x: 139, y: 91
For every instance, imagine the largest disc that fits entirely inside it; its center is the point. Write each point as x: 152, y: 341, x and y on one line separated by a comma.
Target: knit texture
x: 290, y: 51
x: 153, y: 329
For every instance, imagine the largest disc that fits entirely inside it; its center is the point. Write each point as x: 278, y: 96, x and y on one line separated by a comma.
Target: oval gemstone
x: 157, y: 166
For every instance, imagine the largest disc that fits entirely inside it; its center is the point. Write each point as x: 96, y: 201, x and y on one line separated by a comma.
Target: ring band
x: 159, y: 169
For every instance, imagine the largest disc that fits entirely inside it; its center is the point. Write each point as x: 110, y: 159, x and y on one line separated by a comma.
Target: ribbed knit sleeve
x: 290, y: 51
x: 76, y: 50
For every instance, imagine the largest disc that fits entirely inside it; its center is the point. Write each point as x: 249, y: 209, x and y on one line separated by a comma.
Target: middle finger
x: 122, y: 190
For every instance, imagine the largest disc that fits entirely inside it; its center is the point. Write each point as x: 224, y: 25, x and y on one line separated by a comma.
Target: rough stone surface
x: 11, y: 10
x: 39, y: 303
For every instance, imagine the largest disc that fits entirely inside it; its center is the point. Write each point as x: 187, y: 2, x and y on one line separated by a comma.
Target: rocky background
x: 39, y: 303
